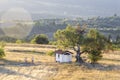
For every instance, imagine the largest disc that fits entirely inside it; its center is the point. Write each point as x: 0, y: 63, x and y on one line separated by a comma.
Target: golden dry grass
x: 12, y: 67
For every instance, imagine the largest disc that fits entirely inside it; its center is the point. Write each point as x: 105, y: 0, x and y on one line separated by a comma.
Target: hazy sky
x: 83, y: 8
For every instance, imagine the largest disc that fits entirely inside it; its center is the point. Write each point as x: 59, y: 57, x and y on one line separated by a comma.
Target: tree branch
x: 74, y: 49
x: 84, y: 51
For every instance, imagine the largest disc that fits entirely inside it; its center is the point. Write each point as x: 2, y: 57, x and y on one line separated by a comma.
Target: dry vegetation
x: 13, y: 67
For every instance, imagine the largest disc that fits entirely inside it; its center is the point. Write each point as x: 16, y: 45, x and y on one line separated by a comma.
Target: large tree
x: 92, y: 43
x: 71, y: 38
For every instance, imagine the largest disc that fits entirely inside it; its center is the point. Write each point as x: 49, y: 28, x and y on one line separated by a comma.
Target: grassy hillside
x: 13, y: 67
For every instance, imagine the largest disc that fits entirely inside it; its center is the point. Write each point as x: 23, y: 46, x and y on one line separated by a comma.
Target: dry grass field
x: 13, y: 67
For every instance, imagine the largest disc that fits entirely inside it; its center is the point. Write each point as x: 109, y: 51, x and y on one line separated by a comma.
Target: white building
x: 63, y: 56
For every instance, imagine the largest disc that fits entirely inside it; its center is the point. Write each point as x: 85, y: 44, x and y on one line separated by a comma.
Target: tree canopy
x: 91, y: 42
x: 71, y: 38
x: 40, y: 39
x: 2, y: 53
x: 94, y: 44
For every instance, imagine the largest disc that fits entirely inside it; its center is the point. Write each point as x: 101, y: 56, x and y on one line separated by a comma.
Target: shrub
x: 40, y: 39
x: 53, y: 43
x: 50, y: 53
x: 19, y: 41
x: 33, y: 41
x: 2, y: 53
x: 116, y: 46
x: 94, y: 56
x: 2, y: 44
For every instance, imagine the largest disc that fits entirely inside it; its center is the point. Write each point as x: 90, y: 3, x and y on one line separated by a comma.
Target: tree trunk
x: 78, y: 55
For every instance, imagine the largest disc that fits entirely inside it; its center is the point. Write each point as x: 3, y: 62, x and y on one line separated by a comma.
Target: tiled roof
x: 62, y: 52
x: 59, y: 51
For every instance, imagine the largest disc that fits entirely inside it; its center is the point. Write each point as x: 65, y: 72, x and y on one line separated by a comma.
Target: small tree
x: 117, y: 39
x: 2, y: 53
x: 2, y: 44
x: 40, y: 39
x: 50, y: 53
x: 109, y: 38
x: 95, y: 43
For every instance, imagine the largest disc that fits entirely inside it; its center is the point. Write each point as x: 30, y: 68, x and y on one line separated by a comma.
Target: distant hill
x: 106, y: 25
x: 46, y: 29
x: 1, y: 32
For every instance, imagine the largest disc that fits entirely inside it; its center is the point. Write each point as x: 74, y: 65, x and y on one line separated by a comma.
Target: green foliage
x: 2, y: 53
x: 33, y: 41
x: 95, y: 43
x: 7, y: 39
x: 71, y: 37
x: 53, y: 43
x: 104, y: 24
x: 68, y: 38
x: 116, y: 46
x: 19, y: 41
x: 116, y: 43
x: 94, y: 56
x: 94, y: 40
x: 40, y: 39
x: 117, y: 39
x: 2, y: 44
x: 50, y: 53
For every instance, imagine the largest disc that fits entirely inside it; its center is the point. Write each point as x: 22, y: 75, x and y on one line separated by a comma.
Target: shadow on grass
x: 8, y: 63
x: 101, y: 67
x: 4, y: 62
x: 116, y: 60
x: 26, y: 51
x: 11, y: 72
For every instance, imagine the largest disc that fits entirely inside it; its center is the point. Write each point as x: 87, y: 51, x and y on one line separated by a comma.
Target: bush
x: 2, y: 44
x: 40, y: 39
x: 2, y: 53
x: 33, y: 41
x: 19, y: 41
x: 53, y: 43
x: 94, y: 56
x: 50, y: 53
x: 116, y: 46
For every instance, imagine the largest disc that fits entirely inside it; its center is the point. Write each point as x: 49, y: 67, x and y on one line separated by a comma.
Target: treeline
x: 106, y: 25
x: 36, y: 39
x: 96, y: 22
x: 8, y: 39
x: 104, y: 22
x: 47, y: 29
